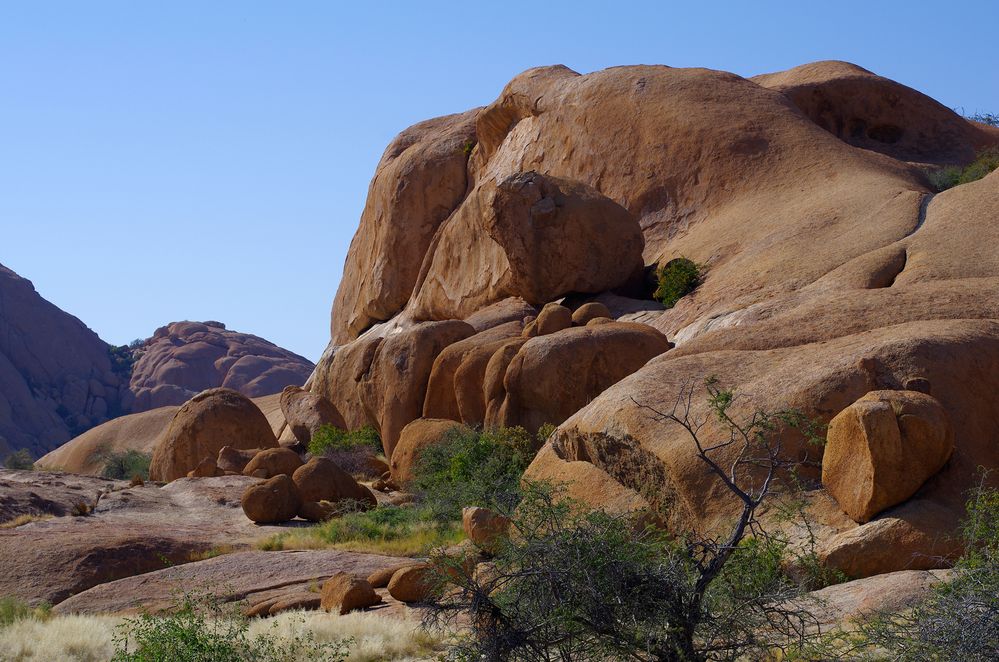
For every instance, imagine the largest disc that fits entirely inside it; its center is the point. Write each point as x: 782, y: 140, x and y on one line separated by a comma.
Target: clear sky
x: 209, y: 160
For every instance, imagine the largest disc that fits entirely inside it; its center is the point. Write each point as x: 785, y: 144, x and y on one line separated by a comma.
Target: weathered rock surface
x: 552, y: 318
x: 184, y: 358
x: 132, y: 530
x: 56, y: 376
x: 590, y: 311
x: 306, y: 412
x: 272, y: 501
x: 343, y: 593
x: 415, y: 438
x: 882, y: 448
x: 529, y: 235
x: 199, y: 429
x: 412, y: 583
x: 249, y: 576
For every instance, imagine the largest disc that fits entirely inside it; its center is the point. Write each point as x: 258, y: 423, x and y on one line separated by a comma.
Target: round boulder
x: 272, y: 501
x: 234, y: 460
x: 590, y: 311
x: 344, y: 593
x: 320, y: 479
x: 202, y: 426
x: 413, y: 583
x: 485, y: 528
x: 272, y: 462
x: 882, y: 448
x: 552, y: 318
x: 306, y: 412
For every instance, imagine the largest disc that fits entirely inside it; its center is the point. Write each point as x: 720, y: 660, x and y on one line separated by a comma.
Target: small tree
x: 575, y: 585
x: 20, y: 460
x: 676, y: 279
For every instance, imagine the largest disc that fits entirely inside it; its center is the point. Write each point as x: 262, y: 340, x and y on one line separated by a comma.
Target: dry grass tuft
x: 21, y: 520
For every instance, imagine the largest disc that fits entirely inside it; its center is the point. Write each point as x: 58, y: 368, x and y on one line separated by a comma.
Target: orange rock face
x: 272, y: 501
x: 320, y: 479
x: 344, y: 593
x: 306, y: 412
x: 882, y: 448
x: 199, y: 429
x: 417, y: 436
x: 272, y: 462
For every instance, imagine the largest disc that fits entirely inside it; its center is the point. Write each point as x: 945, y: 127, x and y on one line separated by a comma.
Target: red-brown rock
x: 415, y: 438
x: 272, y: 462
x: 344, y: 593
x: 321, y: 479
x: 306, y: 412
x: 274, y: 500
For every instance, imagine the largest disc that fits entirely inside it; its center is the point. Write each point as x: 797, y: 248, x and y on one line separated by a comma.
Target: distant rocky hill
x: 58, y: 379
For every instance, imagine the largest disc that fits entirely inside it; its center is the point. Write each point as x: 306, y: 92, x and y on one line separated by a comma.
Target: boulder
x: 511, y: 309
x: 271, y: 501
x: 399, y: 221
x: 590, y: 311
x: 295, y: 602
x: 317, y: 511
x: 881, y: 449
x: 531, y: 235
x: 205, y: 469
x: 380, y: 578
x: 442, y: 390
x: 210, y: 420
x: 553, y: 376
x: 272, y: 462
x: 182, y: 359
x: 484, y: 528
x: 417, y: 436
x: 234, y: 460
x: 412, y: 583
x: 344, y: 593
x: 306, y: 412
x: 552, y: 318
x: 494, y: 376
x: 321, y: 479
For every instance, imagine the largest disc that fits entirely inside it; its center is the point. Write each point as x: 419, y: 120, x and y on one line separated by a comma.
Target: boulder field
x: 503, y: 270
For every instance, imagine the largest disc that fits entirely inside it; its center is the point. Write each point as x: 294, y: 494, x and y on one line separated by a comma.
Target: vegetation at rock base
x: 13, y: 610
x: 124, y: 465
x: 676, y: 279
x: 350, y: 449
x: 21, y: 520
x: 571, y: 583
x: 203, y: 629
x: 20, y: 460
x: 951, y: 176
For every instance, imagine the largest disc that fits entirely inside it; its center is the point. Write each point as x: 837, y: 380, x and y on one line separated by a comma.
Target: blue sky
x: 209, y: 160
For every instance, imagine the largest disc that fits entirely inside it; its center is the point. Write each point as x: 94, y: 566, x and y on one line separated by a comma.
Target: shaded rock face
x: 56, y: 377
x: 203, y: 426
x: 185, y: 358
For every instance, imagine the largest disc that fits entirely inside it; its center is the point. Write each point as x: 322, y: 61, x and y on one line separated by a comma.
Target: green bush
x: 202, y: 629
x: 473, y: 468
x: 125, y: 464
x: 20, y: 460
x: 951, y: 176
x: 13, y: 610
x: 676, y: 279
x: 330, y: 438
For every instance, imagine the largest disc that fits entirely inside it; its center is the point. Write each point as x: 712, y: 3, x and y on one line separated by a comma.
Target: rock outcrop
x: 182, y: 359
x: 207, y: 422
x: 56, y: 376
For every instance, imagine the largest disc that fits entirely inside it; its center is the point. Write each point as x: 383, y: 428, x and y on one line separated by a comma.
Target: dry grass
x: 218, y: 550
x: 21, y: 520
x: 89, y: 638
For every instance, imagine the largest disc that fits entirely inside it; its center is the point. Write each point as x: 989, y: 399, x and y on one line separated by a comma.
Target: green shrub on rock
x: 20, y: 461
x: 676, y: 279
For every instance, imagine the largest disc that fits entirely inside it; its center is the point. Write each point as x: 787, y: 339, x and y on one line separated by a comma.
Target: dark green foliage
x: 676, y: 279
x: 20, y: 460
x: 202, y: 629
x: 122, y: 360
x: 572, y: 584
x: 125, y: 465
x: 329, y: 438
x: 474, y: 468
x: 960, y: 619
x: 951, y: 176
x: 467, y: 148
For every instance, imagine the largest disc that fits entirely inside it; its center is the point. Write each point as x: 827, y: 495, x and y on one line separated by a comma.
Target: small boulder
x: 205, y: 469
x: 272, y: 501
x: 485, y: 528
x: 295, y: 602
x: 414, y: 438
x: 234, y: 460
x: 320, y: 479
x: 552, y: 318
x: 381, y: 578
x: 317, y: 511
x: 306, y: 412
x: 882, y: 448
x: 272, y: 462
x: 344, y: 593
x: 590, y: 311
x: 413, y: 583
